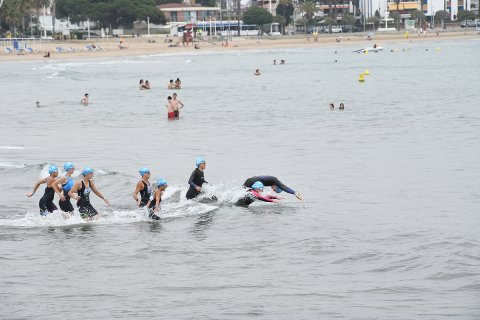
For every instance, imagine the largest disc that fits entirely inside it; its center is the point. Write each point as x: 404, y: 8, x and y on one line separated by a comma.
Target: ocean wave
x: 12, y: 148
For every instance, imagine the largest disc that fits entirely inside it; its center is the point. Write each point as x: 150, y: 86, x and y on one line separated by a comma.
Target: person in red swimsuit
x: 170, y: 108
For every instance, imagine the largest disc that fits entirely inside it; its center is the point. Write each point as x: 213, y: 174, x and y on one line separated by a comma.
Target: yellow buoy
x: 361, y: 77
x: 366, y: 72
x: 366, y: 51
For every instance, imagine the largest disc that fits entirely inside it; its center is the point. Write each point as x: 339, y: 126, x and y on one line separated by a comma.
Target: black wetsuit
x: 84, y: 206
x: 196, y: 180
x: 145, y: 194
x: 46, y: 201
x: 66, y: 205
x: 267, y: 181
x: 151, y: 207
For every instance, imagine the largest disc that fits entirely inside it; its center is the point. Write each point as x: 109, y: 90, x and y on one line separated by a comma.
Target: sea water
x: 389, y: 225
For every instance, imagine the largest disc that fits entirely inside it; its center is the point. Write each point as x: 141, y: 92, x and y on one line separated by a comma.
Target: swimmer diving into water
x: 271, y: 181
x: 255, y: 193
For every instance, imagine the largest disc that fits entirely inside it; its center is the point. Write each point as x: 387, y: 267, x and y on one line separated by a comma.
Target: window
x: 173, y: 16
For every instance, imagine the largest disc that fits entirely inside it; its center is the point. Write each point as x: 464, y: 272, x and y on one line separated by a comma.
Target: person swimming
x: 255, y: 193
x: 271, y: 181
x: 143, y: 186
x: 156, y: 198
x: 66, y: 183
x: 197, y: 179
x: 81, y: 192
x: 84, y: 101
x: 342, y: 106
x: 257, y: 72
x: 46, y: 204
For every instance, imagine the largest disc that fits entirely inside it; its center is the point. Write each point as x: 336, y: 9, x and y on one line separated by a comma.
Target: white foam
x: 12, y: 147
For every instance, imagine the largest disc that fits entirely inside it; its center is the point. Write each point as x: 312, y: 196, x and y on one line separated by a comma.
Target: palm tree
x: 397, y: 2
x: 309, y: 9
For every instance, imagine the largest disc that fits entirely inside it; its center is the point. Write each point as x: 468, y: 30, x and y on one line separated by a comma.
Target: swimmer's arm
x: 158, y: 197
x: 39, y: 182
x: 57, y: 190
x: 73, y: 192
x: 138, y: 187
x: 190, y: 181
x: 94, y: 189
x: 182, y: 105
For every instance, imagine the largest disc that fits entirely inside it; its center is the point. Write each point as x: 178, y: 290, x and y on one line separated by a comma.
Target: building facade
x: 177, y: 13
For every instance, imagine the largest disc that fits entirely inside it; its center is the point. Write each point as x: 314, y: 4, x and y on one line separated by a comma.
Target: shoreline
x: 145, y: 46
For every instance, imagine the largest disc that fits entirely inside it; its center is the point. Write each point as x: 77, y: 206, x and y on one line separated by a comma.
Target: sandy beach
x: 157, y: 45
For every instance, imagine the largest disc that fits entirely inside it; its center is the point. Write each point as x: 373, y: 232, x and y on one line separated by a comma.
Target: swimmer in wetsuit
x: 143, y: 186
x: 66, y: 183
x: 81, y: 192
x: 271, y: 181
x: 46, y: 202
x: 197, y: 179
x: 255, y: 193
x: 156, y: 198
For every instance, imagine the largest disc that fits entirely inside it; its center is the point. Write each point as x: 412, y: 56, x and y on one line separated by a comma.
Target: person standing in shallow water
x: 175, y: 104
x: 81, y: 192
x: 144, y: 187
x: 170, y: 109
x: 46, y: 204
x: 197, y: 179
x: 84, y: 101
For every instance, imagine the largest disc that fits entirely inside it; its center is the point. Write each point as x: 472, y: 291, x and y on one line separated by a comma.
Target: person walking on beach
x: 271, y: 181
x: 170, y: 109
x: 143, y: 186
x: 81, y: 192
x: 154, y: 204
x: 46, y: 201
x: 197, y: 178
x: 176, y: 103
x: 66, y: 183
x: 84, y: 101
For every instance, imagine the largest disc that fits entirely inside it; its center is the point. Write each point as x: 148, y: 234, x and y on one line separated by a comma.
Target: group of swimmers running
x: 144, y: 194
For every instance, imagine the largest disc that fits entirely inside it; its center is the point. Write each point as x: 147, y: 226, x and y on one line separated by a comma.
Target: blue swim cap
x: 161, y: 182
x: 86, y: 171
x: 258, y: 185
x: 277, y: 189
x: 199, y: 161
x: 68, y: 165
x: 52, y: 169
x: 143, y: 171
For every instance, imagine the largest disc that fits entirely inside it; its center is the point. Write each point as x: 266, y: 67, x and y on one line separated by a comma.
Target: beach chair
x: 30, y: 50
x: 59, y: 49
x: 8, y: 50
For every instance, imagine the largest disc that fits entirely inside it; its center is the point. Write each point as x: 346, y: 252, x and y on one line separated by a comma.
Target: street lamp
x: 148, y: 26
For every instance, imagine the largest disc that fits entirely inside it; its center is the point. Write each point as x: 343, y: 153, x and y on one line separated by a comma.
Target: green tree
x: 418, y: 16
x: 349, y: 20
x: 397, y: 2
x: 395, y: 15
x: 285, y: 8
x: 442, y: 15
x: 281, y: 21
x: 208, y: 3
x: 257, y: 16
x: 158, y: 2
x: 375, y: 20
x: 329, y: 21
x: 308, y: 9
x: 464, y: 15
